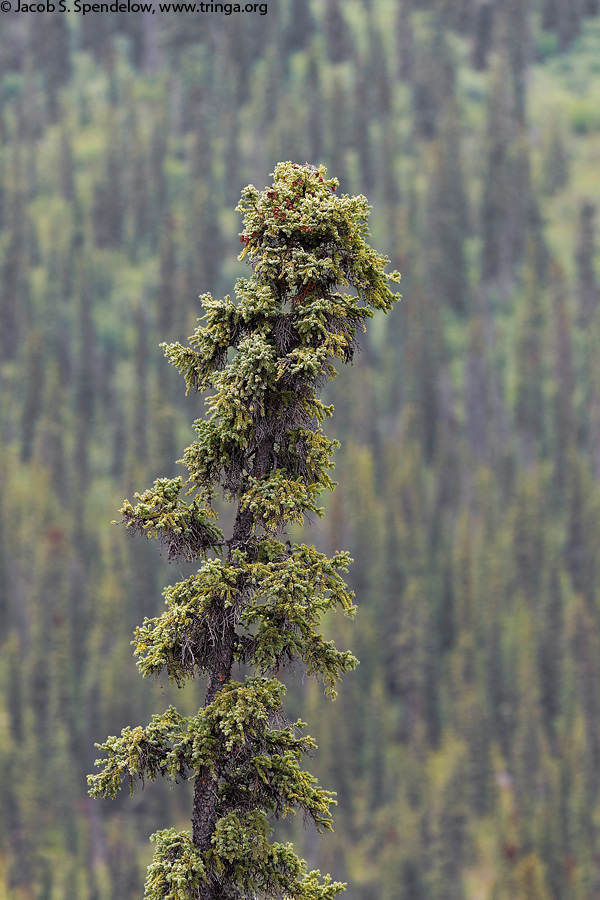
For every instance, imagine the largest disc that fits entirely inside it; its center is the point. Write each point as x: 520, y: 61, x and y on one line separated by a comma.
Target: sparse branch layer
x: 254, y: 600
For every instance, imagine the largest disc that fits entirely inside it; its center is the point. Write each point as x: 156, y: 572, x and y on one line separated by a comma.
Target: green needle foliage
x: 256, y: 600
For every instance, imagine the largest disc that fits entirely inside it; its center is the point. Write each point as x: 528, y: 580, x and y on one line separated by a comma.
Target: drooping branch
x: 187, y: 531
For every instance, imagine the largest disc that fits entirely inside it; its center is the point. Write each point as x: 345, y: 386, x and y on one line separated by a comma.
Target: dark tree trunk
x: 204, y: 810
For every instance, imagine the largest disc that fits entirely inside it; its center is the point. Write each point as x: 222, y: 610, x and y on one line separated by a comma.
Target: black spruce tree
x: 256, y: 599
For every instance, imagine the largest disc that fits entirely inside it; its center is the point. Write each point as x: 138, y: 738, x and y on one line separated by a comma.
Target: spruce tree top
x: 255, y: 600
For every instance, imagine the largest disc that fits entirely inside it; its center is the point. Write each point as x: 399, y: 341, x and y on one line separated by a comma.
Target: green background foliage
x: 464, y: 749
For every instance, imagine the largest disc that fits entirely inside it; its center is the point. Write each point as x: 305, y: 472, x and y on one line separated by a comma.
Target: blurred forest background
x: 466, y: 748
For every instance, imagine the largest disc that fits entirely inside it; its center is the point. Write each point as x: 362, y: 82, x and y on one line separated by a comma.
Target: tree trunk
x: 204, y: 810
